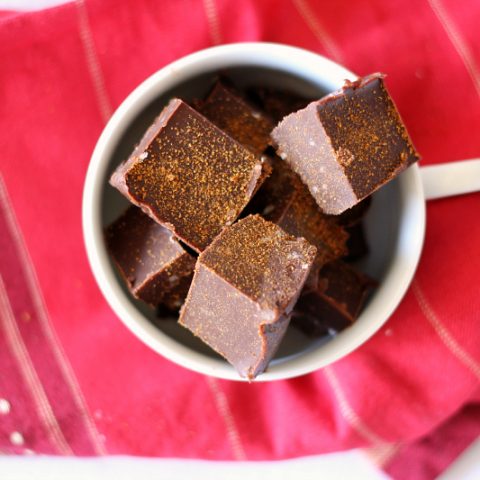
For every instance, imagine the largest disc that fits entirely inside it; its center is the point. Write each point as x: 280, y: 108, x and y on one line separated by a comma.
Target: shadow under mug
x: 395, y: 223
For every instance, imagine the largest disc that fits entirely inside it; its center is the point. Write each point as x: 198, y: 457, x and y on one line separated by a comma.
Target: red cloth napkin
x: 73, y: 380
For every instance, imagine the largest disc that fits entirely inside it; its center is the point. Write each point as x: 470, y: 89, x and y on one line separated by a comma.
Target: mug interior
x: 394, y: 223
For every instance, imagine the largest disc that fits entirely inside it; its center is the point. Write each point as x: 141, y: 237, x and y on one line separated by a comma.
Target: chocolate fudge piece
x: 176, y: 298
x: 357, y: 245
x: 152, y: 262
x: 188, y: 175
x: 171, y: 305
x: 354, y: 215
x: 277, y: 103
x: 335, y: 304
x: 286, y: 201
x: 244, y: 288
x: 235, y: 116
x: 267, y: 169
x: 346, y: 145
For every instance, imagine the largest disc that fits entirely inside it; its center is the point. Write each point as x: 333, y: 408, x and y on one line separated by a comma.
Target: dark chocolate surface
x: 234, y: 115
x: 367, y: 134
x: 244, y: 287
x: 286, y: 201
x: 335, y: 303
x: 277, y: 103
x: 153, y: 264
x: 347, y: 144
x: 345, y: 285
x: 261, y: 260
x: 354, y: 215
x: 315, y: 316
x: 357, y: 245
x: 189, y: 176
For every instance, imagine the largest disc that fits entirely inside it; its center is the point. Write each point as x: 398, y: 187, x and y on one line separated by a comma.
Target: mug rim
x: 308, y: 66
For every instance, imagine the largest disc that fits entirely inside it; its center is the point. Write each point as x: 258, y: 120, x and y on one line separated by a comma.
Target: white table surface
x: 338, y: 466
x: 327, y: 467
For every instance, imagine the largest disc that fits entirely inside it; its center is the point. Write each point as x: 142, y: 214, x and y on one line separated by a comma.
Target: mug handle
x: 448, y: 179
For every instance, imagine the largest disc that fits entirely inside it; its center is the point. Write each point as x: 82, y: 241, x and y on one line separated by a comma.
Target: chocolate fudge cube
x: 346, y: 145
x: 277, y: 103
x: 153, y: 264
x: 244, y: 288
x: 176, y: 297
x: 235, y: 116
x: 171, y: 304
x: 188, y: 175
x: 286, y: 201
x: 357, y: 245
x: 354, y: 215
x: 335, y: 304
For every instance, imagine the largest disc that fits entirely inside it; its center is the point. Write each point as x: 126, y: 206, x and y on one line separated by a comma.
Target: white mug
x: 395, y: 223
